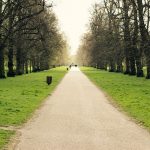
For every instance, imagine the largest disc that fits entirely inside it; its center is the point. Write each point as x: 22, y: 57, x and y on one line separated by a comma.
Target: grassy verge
x: 4, y: 136
x: 130, y: 93
x: 20, y: 96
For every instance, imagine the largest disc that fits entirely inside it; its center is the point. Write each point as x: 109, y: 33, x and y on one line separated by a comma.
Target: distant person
x: 70, y: 66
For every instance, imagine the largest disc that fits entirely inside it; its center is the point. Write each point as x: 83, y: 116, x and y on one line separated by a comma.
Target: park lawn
x: 21, y: 95
x: 4, y: 137
x: 130, y: 93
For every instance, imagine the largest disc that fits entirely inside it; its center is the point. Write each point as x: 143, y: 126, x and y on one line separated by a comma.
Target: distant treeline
x: 118, y: 38
x: 30, y: 39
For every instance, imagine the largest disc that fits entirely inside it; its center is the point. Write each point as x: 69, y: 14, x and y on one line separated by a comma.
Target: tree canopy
x: 30, y: 39
x: 118, y: 38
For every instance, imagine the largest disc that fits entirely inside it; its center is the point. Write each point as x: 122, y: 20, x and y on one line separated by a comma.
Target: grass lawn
x: 4, y: 136
x: 130, y: 93
x: 20, y: 96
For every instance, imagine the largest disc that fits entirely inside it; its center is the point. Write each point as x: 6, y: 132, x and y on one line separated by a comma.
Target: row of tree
x: 30, y: 39
x: 118, y: 38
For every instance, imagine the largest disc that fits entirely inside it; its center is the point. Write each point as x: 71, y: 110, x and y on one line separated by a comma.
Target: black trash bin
x: 49, y: 80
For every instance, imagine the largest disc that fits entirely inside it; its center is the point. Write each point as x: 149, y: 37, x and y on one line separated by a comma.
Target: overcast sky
x: 73, y: 15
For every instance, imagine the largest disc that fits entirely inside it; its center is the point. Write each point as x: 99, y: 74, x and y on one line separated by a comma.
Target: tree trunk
x: 11, y: 72
x: 139, y: 67
x: 30, y: 66
x: 44, y: 60
x: 127, y: 66
x: 112, y: 67
x: 2, y: 67
x: 105, y: 66
x: 148, y: 69
x: 144, y: 36
x: 129, y: 57
x: 137, y: 51
x: 119, y: 66
x: 132, y: 63
x: 34, y: 65
x: 26, y: 67
x: 19, y: 61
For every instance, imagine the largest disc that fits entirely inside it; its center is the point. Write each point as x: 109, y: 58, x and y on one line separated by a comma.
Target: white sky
x: 73, y: 15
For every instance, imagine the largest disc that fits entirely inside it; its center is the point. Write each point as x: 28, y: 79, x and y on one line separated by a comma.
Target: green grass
x: 21, y: 95
x: 130, y: 93
x: 4, y: 136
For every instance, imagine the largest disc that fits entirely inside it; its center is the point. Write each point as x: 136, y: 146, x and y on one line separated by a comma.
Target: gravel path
x: 79, y: 117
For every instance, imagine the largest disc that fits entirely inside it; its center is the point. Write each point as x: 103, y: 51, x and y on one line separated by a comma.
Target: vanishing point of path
x: 79, y: 117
